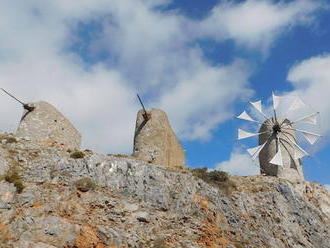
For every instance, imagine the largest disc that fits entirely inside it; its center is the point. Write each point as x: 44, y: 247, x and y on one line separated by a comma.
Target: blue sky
x: 200, y: 61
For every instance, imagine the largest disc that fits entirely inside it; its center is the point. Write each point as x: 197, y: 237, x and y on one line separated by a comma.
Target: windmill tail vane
x: 279, y: 131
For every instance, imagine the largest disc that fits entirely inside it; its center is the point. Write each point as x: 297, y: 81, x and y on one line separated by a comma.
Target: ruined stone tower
x: 44, y: 123
x: 292, y: 168
x: 155, y: 142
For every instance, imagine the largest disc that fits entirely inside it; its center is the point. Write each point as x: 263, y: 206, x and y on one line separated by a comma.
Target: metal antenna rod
x: 13, y: 96
x: 25, y: 105
x: 145, y: 115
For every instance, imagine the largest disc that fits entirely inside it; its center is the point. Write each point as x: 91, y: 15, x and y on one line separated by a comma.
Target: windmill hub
x: 276, y: 128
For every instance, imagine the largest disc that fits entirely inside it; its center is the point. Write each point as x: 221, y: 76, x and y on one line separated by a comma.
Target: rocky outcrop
x: 129, y: 203
x: 44, y: 123
x: 155, y: 142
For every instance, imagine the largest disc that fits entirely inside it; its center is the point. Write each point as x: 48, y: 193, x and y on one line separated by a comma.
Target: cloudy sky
x: 200, y: 61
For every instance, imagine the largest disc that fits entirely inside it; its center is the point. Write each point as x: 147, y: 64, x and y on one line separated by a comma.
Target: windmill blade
x: 245, y: 116
x: 254, y: 152
x: 242, y: 134
x: 311, y: 119
x: 310, y: 137
x: 296, y: 104
x: 276, y: 101
x: 277, y: 159
x: 298, y: 151
x: 257, y: 105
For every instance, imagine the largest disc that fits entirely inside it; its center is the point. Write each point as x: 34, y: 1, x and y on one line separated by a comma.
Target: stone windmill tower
x: 155, y: 141
x: 41, y: 122
x: 278, y: 150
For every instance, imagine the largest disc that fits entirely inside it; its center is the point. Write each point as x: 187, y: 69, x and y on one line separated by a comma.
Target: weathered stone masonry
x: 46, y: 124
x: 156, y: 142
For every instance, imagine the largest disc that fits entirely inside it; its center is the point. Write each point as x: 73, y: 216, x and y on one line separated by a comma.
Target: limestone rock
x: 137, y: 204
x: 292, y: 168
x: 155, y: 142
x: 46, y: 124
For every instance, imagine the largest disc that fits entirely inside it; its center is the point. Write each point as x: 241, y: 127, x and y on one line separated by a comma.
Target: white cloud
x: 311, y: 80
x: 149, y: 52
x: 239, y: 164
x: 203, y: 99
x: 255, y: 23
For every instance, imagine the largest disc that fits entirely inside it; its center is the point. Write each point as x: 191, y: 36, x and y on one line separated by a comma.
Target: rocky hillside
x: 52, y: 197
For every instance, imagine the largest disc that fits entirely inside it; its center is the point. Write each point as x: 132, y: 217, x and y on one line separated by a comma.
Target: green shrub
x: 220, y: 179
x: 211, y: 176
x: 85, y: 184
x: 11, y: 140
x: 77, y: 155
x: 13, y: 177
x: 8, y: 138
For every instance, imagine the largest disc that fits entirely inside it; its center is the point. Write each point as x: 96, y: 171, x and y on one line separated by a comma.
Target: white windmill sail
x: 310, y: 137
x: 299, y: 152
x: 242, y: 134
x: 296, y: 104
x: 277, y: 159
x: 257, y: 105
x: 254, y: 152
x: 245, y: 116
x: 311, y: 119
x: 276, y: 101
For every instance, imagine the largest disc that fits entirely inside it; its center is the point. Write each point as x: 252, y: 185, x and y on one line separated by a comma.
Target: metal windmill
x: 278, y: 151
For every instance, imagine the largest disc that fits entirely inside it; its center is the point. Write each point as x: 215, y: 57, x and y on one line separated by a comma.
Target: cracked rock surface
x: 130, y: 203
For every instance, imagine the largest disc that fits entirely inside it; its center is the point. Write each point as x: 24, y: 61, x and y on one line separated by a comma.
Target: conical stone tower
x: 283, y: 140
x: 155, y: 141
x: 43, y: 123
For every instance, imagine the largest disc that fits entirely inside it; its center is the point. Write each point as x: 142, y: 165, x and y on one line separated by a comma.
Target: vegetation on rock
x: 77, y: 155
x: 217, y: 178
x: 85, y: 184
x: 13, y: 176
x: 8, y: 138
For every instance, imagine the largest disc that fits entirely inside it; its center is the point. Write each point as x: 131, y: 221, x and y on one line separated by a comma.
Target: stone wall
x: 46, y: 124
x: 155, y: 141
x: 292, y: 168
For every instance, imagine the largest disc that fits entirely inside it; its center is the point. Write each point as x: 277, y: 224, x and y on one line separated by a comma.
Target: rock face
x: 136, y: 204
x: 46, y: 124
x: 155, y: 142
x: 292, y: 168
